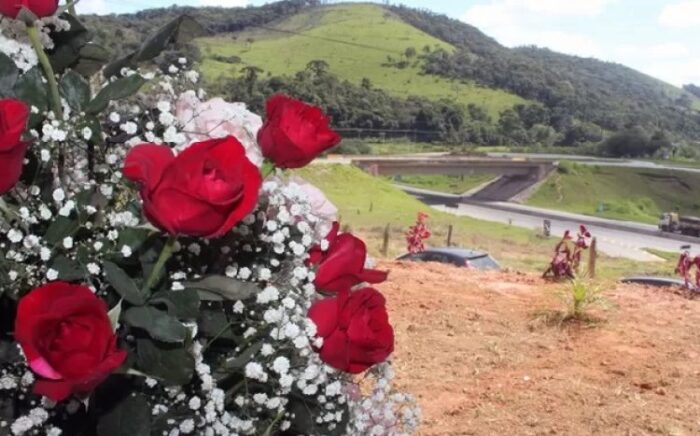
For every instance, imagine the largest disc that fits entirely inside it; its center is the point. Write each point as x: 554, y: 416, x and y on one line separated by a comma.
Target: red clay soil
x: 481, y: 359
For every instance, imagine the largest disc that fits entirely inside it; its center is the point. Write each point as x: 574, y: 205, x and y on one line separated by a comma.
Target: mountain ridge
x: 581, y: 100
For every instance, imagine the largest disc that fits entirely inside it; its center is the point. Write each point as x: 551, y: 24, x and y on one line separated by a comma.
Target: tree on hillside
x: 318, y: 67
x: 693, y: 89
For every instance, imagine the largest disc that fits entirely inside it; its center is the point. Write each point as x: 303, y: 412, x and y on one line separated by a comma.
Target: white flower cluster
x: 15, y: 383
x: 385, y: 411
x: 15, y: 45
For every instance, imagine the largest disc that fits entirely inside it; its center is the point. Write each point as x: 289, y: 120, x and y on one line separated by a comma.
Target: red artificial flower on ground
x: 40, y: 8
x: 294, y: 132
x: 355, y: 330
x: 204, y: 191
x: 68, y: 340
x: 342, y: 265
x: 13, y: 121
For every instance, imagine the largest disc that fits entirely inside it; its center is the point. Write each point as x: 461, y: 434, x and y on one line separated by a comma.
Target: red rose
x: 294, y: 132
x: 13, y: 121
x: 342, y: 265
x: 355, y: 330
x: 67, y: 338
x: 40, y: 8
x: 204, y: 191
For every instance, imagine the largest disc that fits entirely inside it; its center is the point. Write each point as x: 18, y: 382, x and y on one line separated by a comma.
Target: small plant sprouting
x: 579, y: 295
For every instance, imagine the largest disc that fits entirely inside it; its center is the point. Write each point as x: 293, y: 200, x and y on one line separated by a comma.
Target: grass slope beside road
x: 355, y: 41
x: 367, y: 204
x: 448, y: 184
x: 619, y: 193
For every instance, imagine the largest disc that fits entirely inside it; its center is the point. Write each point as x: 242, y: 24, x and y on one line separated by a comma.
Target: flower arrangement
x: 568, y: 253
x: 161, y: 273
x: 417, y: 234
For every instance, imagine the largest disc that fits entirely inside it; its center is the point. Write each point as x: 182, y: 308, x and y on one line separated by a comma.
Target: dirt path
x: 470, y: 348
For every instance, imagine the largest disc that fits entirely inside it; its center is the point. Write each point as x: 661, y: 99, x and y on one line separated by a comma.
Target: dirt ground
x: 476, y: 351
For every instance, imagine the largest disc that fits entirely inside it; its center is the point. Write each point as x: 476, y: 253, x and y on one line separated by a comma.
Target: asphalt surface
x: 615, y: 238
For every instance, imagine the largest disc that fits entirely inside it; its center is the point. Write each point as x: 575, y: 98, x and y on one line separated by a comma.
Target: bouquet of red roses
x: 160, y: 273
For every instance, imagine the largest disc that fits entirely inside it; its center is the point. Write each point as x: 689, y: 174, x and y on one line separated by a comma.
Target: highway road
x: 615, y: 238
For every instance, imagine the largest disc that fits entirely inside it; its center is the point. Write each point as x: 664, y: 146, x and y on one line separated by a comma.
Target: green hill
x: 392, y: 70
x: 356, y: 41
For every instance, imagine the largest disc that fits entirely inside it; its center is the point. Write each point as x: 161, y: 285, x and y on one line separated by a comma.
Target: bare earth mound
x: 470, y: 347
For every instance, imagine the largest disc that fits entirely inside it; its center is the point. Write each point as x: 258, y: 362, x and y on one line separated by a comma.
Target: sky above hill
x: 658, y: 37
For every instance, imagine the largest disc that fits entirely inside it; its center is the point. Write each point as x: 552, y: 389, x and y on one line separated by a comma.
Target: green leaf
x: 305, y: 411
x: 178, y: 31
x: 68, y: 44
x: 246, y: 356
x: 228, y: 288
x: 117, y: 90
x: 8, y: 76
x: 114, y: 314
x: 60, y: 228
x: 180, y: 304
x: 134, y: 237
x: 172, y: 364
x: 31, y: 89
x: 91, y: 58
x: 68, y: 270
x: 130, y: 417
x: 157, y: 323
x: 215, y: 323
x: 75, y: 90
x: 123, y: 284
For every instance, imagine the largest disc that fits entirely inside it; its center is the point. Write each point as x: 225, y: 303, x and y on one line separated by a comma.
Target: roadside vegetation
x: 440, y: 183
x: 620, y: 193
x: 374, y: 202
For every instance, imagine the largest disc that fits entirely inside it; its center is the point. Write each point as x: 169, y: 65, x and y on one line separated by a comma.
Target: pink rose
x: 217, y: 118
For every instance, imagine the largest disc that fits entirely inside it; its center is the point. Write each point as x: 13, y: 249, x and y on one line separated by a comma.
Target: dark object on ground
x: 454, y: 256
x: 655, y: 281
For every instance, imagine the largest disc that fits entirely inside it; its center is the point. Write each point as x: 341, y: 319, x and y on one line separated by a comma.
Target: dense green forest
x: 595, y: 106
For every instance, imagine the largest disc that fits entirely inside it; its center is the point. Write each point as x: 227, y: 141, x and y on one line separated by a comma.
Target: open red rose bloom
x: 355, y: 330
x: 67, y: 338
x: 342, y: 265
x: 13, y: 120
x: 294, y: 133
x: 203, y: 191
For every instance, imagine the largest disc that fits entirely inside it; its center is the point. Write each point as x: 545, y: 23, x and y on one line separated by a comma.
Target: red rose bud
x: 294, y: 132
x: 203, y: 191
x: 40, y: 8
x: 355, y: 330
x: 67, y: 337
x: 342, y: 265
x: 13, y: 120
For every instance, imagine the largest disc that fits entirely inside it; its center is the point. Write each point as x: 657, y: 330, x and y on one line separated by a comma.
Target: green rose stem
x: 165, y: 254
x: 271, y: 427
x: 35, y: 39
x: 55, y: 97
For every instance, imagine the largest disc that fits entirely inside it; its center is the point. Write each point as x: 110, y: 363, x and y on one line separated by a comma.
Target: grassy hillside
x: 372, y: 203
x: 355, y: 41
x: 620, y: 193
x: 449, y: 184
